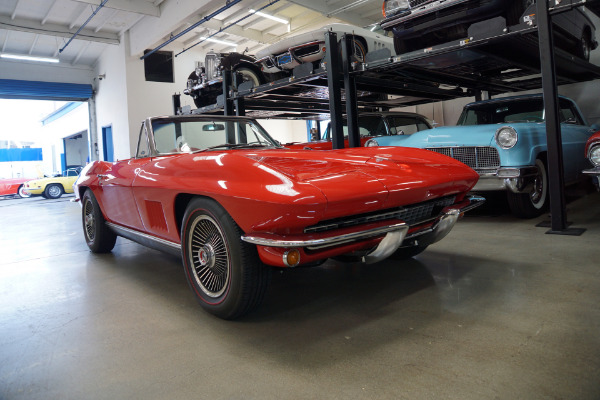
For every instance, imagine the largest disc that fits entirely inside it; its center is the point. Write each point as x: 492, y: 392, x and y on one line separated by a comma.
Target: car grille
x: 413, y: 215
x: 417, y: 3
x: 475, y: 157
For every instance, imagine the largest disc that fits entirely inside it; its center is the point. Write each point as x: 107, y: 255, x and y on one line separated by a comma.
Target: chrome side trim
x: 145, y: 239
x: 314, y: 244
x: 592, y: 171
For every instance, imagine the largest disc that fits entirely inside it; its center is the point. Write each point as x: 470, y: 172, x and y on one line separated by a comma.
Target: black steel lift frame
x: 464, y: 68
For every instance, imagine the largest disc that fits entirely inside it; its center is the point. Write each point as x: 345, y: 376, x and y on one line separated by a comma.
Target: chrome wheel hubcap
x: 54, y: 191
x: 210, y: 257
x: 88, y: 220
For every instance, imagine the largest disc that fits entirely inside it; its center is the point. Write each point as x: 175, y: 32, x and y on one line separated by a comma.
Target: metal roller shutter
x: 36, y: 90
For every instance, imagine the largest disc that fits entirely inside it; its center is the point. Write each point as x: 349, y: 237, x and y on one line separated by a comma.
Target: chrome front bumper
x: 395, y: 234
x: 592, y: 171
x: 595, y: 174
x: 515, y: 179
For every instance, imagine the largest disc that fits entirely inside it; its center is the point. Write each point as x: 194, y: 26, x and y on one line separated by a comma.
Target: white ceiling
x: 44, y: 27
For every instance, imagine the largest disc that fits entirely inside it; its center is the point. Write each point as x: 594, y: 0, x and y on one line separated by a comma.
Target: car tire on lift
x: 224, y: 272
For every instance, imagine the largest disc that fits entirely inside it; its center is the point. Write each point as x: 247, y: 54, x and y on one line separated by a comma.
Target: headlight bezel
x: 594, y: 154
x: 371, y: 143
x: 393, y: 7
x: 506, y: 137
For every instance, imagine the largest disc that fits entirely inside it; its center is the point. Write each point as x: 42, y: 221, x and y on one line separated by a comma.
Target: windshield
x: 374, y: 125
x: 185, y: 135
x: 531, y: 110
x: 524, y: 110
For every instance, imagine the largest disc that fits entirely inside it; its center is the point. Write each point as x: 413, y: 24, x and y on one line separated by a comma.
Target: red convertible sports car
x: 15, y: 186
x: 223, y: 194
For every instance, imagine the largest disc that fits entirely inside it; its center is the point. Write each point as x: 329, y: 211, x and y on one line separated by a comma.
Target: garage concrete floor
x: 497, y: 310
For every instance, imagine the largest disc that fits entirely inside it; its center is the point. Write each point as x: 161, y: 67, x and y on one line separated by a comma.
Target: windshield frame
x: 257, y: 129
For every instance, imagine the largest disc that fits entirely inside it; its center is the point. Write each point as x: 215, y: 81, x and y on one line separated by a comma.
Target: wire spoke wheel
x: 223, y: 271
x: 210, y: 256
x: 89, y: 222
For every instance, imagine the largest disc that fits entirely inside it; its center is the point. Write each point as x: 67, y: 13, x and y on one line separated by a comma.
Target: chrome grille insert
x: 474, y: 157
x: 413, y: 215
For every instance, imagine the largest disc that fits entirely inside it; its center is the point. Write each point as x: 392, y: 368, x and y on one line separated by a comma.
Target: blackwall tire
x: 53, y: 191
x: 224, y: 272
x: 531, y: 205
x: 98, y: 236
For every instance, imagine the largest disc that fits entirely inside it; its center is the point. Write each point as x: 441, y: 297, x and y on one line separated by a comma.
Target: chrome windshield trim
x: 324, y: 242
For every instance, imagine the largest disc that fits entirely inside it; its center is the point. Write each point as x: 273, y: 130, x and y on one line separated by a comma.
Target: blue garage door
x: 37, y: 90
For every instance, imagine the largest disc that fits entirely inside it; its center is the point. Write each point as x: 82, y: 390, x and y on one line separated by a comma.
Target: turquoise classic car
x: 504, y: 140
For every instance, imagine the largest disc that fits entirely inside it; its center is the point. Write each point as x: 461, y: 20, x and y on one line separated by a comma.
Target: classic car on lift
x: 223, y: 194
x: 371, y: 125
x: 592, y: 152
x: 288, y: 53
x: 13, y: 187
x: 205, y: 83
x: 504, y: 140
x: 418, y: 24
x: 53, y: 187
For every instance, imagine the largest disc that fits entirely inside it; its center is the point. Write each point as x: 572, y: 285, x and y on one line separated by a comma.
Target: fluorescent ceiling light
x: 218, y: 41
x: 264, y: 15
x: 29, y: 58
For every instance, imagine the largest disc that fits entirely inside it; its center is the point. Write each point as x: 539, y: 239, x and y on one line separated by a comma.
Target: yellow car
x: 53, y: 187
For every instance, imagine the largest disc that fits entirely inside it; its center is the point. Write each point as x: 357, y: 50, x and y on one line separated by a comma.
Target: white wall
x: 285, y: 130
x: 52, y: 135
x: 124, y: 98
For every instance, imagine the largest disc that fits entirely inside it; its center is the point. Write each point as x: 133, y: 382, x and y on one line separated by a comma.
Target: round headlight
x: 371, y: 143
x: 506, y: 137
x: 391, y: 7
x: 594, y: 155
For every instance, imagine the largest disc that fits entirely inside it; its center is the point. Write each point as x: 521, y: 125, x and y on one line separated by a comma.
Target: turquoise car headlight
x: 391, y: 7
x: 506, y: 137
x: 594, y: 155
x: 371, y: 143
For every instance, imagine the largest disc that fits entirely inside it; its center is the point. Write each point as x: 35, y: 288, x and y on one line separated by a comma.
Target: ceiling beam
x: 49, y: 11
x: 107, y: 18
x: 134, y: 6
x: 321, y: 7
x: 24, y: 25
x: 149, y: 32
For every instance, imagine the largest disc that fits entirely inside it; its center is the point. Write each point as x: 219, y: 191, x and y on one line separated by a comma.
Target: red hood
x: 388, y: 177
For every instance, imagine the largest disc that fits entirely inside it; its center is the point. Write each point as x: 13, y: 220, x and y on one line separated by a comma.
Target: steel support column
x: 334, y: 77
x: 239, y: 103
x: 350, y: 90
x: 558, y: 211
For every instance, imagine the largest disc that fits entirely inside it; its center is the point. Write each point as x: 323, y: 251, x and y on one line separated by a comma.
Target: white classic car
x: 288, y: 53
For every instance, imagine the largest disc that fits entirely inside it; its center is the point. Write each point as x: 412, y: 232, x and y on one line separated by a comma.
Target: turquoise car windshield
x: 531, y: 110
x: 523, y: 110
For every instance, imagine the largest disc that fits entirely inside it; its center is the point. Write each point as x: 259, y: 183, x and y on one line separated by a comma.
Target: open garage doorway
x: 76, y: 150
